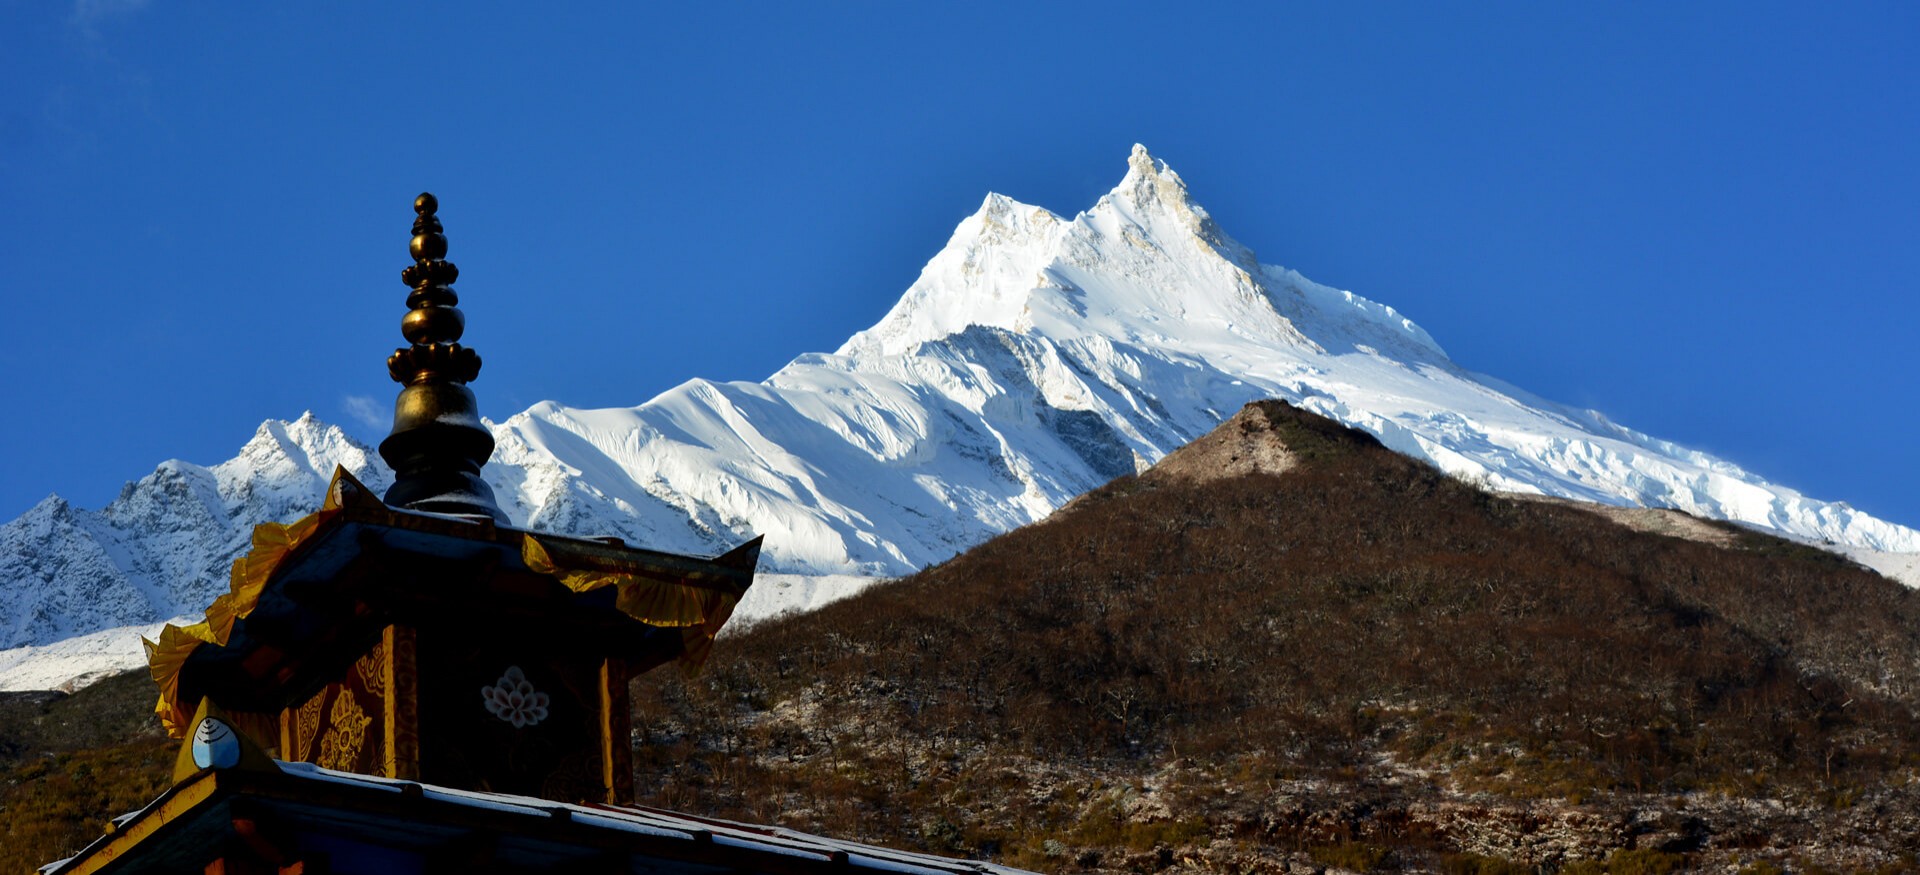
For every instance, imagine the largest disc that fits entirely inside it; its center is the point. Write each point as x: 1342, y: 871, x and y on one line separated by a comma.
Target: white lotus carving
x: 514, y: 699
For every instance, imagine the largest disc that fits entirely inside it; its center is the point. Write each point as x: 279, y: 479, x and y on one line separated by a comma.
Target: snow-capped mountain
x: 163, y: 547
x: 1036, y: 357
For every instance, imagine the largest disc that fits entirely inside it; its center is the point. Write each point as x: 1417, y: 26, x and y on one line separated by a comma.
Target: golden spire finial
x: 433, y: 323
x: 438, y: 443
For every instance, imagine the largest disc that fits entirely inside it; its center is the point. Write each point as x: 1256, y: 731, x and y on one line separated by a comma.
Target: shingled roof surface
x: 400, y: 814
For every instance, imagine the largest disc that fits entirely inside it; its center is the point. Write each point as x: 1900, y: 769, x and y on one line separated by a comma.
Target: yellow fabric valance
x: 697, y: 611
x: 271, y: 544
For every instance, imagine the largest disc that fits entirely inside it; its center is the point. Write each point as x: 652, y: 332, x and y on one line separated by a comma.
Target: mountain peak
x: 995, y: 204
x: 1000, y: 216
x: 1142, y: 163
x: 1011, y: 266
x: 53, y: 504
x: 1151, y: 190
x: 1150, y: 182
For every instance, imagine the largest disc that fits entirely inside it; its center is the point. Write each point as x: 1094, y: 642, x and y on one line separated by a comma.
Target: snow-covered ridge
x: 1034, y: 358
x: 163, y: 547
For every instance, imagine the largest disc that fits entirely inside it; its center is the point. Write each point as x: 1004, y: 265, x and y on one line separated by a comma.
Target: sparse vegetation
x: 1304, y: 662
x: 1477, y: 864
x: 1635, y: 861
x: 1359, y: 664
x: 68, y: 763
x: 63, y: 801
x: 1353, y: 856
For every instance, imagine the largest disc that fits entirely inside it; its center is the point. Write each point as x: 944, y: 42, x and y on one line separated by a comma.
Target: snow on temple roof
x: 391, y: 816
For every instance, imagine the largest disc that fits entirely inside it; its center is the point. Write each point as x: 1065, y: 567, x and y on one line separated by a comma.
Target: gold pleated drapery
x: 271, y: 544
x: 697, y: 611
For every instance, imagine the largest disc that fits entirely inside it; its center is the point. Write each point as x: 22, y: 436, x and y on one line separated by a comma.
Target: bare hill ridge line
x: 1355, y: 663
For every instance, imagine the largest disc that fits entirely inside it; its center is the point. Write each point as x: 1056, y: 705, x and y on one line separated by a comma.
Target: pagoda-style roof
x: 314, y: 594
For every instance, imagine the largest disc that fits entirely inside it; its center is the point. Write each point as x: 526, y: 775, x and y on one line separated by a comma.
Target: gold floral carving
x: 306, y: 726
x: 346, y: 734
x: 372, y: 669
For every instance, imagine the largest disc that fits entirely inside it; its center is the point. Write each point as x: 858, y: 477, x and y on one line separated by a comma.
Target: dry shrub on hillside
x: 1361, y: 603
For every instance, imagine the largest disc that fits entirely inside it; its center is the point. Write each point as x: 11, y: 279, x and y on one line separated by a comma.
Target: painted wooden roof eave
x: 411, y: 818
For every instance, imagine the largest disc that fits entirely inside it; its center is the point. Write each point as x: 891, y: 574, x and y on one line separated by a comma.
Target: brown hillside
x: 68, y: 763
x: 1357, y: 661
x: 1285, y: 649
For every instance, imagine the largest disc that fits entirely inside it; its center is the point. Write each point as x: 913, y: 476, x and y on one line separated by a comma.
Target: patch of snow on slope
x: 75, y: 662
x: 775, y: 595
x: 1903, y: 567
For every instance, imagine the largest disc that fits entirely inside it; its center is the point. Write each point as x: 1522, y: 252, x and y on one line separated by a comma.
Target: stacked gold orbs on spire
x: 438, y: 444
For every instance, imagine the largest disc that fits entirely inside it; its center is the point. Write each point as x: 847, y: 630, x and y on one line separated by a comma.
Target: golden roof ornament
x: 438, y: 444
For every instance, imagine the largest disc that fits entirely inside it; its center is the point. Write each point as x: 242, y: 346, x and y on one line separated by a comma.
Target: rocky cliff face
x: 163, y: 547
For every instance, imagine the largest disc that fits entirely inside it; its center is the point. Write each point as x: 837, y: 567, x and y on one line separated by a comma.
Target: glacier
x: 1034, y: 358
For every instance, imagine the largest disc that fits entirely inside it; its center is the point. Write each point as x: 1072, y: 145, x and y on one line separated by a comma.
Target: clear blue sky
x: 1700, y: 220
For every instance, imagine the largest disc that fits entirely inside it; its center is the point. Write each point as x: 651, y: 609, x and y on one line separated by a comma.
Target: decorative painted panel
x: 366, y: 722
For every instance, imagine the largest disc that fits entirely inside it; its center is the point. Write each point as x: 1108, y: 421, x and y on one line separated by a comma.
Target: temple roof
x: 372, y: 819
x: 311, y: 594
